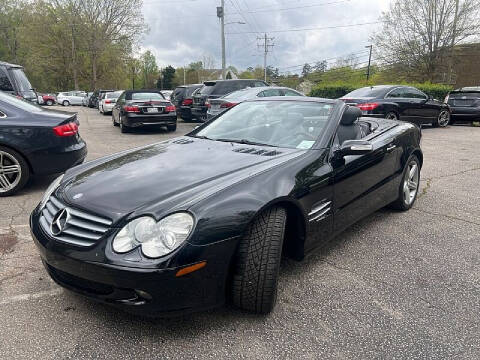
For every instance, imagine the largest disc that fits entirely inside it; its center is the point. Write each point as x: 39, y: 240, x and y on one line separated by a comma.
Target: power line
x: 310, y: 29
x: 328, y: 59
x: 295, y: 8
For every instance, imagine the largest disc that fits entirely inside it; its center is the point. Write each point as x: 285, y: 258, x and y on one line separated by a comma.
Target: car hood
x: 162, y: 177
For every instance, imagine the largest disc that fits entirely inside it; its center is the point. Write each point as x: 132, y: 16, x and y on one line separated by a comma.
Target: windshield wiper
x: 245, y: 142
x: 201, y: 137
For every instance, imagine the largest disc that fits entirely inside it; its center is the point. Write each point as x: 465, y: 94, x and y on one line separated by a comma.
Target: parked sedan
x: 399, y: 103
x: 183, y: 100
x: 217, y: 106
x: 137, y: 108
x: 215, y: 89
x: 35, y: 141
x: 107, y: 101
x: 183, y: 224
x: 71, y: 98
x: 464, y: 104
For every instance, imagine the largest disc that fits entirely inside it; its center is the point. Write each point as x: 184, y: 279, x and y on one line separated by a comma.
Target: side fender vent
x: 183, y: 141
x: 260, y: 152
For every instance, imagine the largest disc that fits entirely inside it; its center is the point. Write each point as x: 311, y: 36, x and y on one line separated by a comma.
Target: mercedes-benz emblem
x: 60, y: 222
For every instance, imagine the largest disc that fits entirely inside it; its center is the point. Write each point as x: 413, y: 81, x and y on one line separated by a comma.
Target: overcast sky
x: 183, y: 31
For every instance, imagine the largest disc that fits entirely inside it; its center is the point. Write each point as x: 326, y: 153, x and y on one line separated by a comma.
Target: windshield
x: 286, y: 124
x: 21, y: 80
x: 114, y: 95
x: 242, y: 94
x: 367, y: 92
x: 147, y: 96
x: 19, y: 103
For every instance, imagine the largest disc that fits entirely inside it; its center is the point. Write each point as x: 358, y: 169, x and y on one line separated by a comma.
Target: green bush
x: 337, y: 90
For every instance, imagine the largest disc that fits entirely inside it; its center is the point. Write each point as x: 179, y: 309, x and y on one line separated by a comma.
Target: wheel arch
x: 22, y: 154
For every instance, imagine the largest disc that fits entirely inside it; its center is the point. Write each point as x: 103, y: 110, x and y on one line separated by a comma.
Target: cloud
x: 184, y: 31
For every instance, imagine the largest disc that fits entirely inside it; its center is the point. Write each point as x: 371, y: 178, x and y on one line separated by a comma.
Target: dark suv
x: 95, y: 98
x: 216, y: 89
x: 14, y: 81
x: 182, y: 99
x: 464, y: 104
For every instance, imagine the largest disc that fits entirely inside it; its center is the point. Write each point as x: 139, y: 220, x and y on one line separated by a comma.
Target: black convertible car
x: 35, y: 141
x: 280, y: 175
x: 398, y: 102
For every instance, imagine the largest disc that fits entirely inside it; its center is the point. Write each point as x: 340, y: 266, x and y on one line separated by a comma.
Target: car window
x: 412, y: 93
x: 5, y: 84
x: 147, y: 96
x: 19, y: 103
x: 21, y: 79
x: 121, y: 98
x: 259, y: 84
x: 276, y: 123
x: 371, y: 91
x: 2, y: 115
x: 289, y: 92
x: 271, y: 92
x: 397, y: 93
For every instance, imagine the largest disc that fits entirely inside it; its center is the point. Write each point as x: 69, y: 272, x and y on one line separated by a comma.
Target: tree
x: 320, y: 66
x: 418, y: 35
x: 149, y: 69
x: 167, y: 76
x: 307, y: 69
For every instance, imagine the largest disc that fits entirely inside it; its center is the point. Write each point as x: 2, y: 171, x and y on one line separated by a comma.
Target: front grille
x: 81, y: 228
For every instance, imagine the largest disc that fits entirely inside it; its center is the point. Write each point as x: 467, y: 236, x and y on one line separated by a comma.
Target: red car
x: 47, y: 99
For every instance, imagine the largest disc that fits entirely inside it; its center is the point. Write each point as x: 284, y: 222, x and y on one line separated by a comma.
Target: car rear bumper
x: 465, y: 113
x: 135, y: 120
x: 57, y: 160
x: 142, y: 291
x: 185, y: 112
x: 108, y: 107
x: 199, y: 112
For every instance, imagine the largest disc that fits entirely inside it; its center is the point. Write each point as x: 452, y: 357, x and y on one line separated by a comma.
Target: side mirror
x: 355, y: 147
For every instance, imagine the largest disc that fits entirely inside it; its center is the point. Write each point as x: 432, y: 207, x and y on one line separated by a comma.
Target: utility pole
x: 133, y: 77
x: 267, y: 44
x: 221, y: 15
x: 454, y: 33
x: 184, y: 74
x: 369, y: 61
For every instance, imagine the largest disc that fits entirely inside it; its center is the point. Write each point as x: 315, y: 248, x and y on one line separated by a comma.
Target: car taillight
x: 170, y: 108
x: 228, y: 105
x: 108, y: 101
x: 131, y: 109
x: 66, y: 130
x: 368, y: 106
x: 187, y: 102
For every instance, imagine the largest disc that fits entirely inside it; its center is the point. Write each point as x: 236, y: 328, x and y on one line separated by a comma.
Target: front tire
x: 14, y: 171
x: 442, y: 120
x: 391, y: 116
x: 409, y: 186
x: 66, y: 103
x: 257, y: 263
x: 49, y: 102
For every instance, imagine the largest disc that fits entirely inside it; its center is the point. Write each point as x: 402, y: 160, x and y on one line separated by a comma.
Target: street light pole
x: 221, y: 15
x: 369, y: 61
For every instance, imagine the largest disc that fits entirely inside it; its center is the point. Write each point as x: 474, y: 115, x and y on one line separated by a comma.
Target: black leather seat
x: 350, y: 128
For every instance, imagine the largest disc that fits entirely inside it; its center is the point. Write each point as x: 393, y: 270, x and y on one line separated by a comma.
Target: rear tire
x: 14, y: 171
x: 408, y: 191
x: 172, y: 127
x: 49, y: 102
x: 442, y: 120
x: 257, y: 262
x: 66, y: 103
x: 123, y: 129
x: 391, y: 116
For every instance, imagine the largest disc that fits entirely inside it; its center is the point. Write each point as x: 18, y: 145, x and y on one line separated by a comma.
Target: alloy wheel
x: 10, y: 171
x: 391, y: 116
x: 410, y: 183
x: 443, y: 118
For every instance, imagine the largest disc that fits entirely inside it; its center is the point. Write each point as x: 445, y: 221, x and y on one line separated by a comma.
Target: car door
x: 399, y: 97
x: 364, y: 183
x: 421, y: 110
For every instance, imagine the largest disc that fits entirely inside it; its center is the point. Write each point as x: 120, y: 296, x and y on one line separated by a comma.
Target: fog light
x: 144, y: 295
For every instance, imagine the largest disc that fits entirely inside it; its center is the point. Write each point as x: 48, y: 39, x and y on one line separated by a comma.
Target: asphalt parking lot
x: 395, y: 285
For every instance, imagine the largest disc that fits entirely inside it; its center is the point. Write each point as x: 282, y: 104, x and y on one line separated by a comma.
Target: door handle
x: 391, y: 147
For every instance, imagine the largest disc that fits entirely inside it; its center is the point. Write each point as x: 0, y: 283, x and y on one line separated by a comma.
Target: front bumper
x: 135, y: 120
x: 143, y: 291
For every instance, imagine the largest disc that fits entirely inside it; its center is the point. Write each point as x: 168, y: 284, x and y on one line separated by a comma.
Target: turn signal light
x: 132, y: 109
x: 187, y: 102
x: 367, y: 107
x: 191, y: 268
x: 66, y: 130
x: 228, y: 105
x: 170, y: 108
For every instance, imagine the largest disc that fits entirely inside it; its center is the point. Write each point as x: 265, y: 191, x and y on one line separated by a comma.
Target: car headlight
x: 155, y: 238
x: 51, y: 188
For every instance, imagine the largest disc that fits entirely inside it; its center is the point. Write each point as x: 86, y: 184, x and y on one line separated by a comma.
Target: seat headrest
x: 351, y: 114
